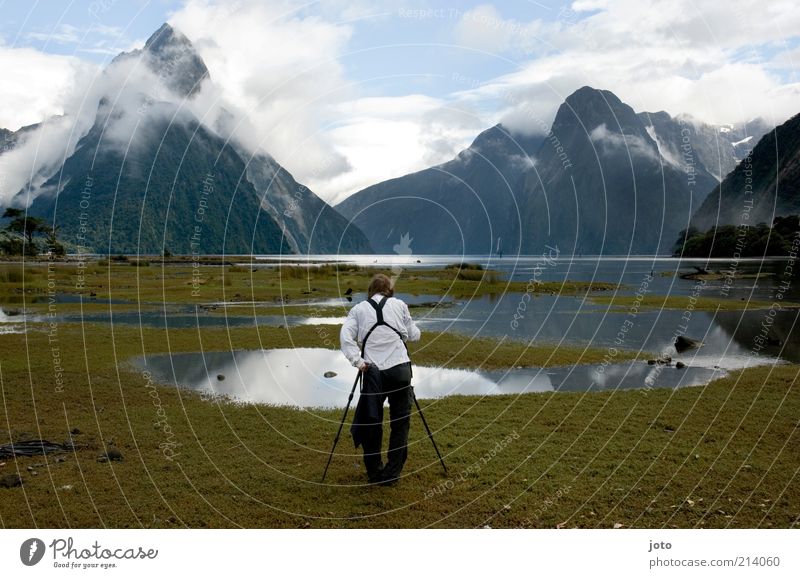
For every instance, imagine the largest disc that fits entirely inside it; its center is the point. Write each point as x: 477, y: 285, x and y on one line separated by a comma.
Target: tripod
x: 344, y: 417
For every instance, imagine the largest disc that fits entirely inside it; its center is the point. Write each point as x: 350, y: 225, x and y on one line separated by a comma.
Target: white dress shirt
x: 384, y: 347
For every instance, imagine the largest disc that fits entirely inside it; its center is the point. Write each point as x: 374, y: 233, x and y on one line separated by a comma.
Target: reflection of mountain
x: 784, y: 340
x: 149, y: 176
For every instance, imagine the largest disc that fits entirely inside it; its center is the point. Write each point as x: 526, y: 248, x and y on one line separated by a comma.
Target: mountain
x: 178, y: 190
x: 603, y: 180
x: 713, y: 151
x: 763, y: 186
x: 10, y: 139
x: 149, y: 176
x: 309, y: 224
x: 601, y: 186
x: 466, y: 205
x: 172, y: 57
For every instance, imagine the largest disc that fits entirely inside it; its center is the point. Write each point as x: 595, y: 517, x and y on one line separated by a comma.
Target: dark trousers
x: 395, y: 384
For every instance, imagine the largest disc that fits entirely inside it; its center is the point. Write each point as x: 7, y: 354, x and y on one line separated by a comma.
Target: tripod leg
x: 344, y: 417
x: 430, y: 435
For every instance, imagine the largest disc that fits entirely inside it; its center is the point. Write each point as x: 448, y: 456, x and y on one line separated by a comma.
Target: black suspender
x: 379, y: 314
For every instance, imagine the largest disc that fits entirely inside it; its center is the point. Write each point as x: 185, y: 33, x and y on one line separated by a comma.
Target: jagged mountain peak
x: 588, y: 108
x: 173, y: 58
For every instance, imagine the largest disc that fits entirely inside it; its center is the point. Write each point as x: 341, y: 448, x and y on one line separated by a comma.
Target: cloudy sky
x: 346, y: 93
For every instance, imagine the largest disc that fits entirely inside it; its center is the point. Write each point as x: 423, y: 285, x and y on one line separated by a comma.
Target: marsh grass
x: 683, y: 302
x: 15, y: 275
x: 178, y: 283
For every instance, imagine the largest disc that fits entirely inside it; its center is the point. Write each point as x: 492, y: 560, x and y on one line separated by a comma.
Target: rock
x: 220, y: 377
x: 683, y: 343
x: 11, y: 481
x: 330, y: 374
x: 679, y: 365
x: 75, y: 431
x: 651, y: 362
x: 617, y: 525
x: 112, y: 455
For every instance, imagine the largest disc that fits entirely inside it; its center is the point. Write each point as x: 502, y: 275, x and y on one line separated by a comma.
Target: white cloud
x: 278, y: 69
x: 635, y: 145
x: 388, y: 137
x: 36, y: 85
x: 703, y: 58
x: 483, y: 28
x: 277, y: 66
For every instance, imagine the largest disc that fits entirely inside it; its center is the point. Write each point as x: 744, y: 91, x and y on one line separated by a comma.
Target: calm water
x: 296, y: 377
x: 729, y: 336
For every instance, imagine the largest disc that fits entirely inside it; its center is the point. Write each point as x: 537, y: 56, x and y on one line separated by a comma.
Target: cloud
x: 278, y: 71
x: 635, y: 145
x: 703, y: 58
x: 36, y: 85
x: 483, y: 28
x: 278, y: 68
x: 387, y: 137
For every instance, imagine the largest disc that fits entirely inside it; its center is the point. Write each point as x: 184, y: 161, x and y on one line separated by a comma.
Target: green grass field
x: 722, y: 455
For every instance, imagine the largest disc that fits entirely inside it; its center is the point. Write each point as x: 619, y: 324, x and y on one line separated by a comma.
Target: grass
x: 15, y: 275
x: 683, y: 302
x: 723, y: 455
x: 178, y: 283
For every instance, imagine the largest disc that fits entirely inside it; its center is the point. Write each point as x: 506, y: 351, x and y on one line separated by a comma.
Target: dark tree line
x: 734, y: 241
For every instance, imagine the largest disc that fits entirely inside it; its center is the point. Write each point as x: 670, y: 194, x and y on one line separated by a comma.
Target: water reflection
x: 296, y: 377
x: 12, y: 321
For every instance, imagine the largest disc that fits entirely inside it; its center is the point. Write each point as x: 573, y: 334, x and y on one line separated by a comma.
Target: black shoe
x: 376, y: 477
x: 388, y: 480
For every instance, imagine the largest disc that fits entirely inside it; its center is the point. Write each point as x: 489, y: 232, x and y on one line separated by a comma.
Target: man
x: 385, y: 323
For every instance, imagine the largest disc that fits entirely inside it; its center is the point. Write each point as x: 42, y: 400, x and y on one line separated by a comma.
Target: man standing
x: 381, y: 324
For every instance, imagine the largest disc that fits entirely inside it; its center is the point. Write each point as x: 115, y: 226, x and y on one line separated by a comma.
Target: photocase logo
x: 31, y: 552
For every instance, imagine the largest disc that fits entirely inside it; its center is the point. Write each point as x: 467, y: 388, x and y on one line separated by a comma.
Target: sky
x: 348, y: 93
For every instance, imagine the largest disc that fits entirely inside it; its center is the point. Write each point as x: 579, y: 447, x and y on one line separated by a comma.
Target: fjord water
x: 730, y: 336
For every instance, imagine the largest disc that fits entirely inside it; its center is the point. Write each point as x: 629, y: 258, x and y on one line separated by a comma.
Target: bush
x: 465, y: 266
x: 140, y: 263
x: 484, y: 276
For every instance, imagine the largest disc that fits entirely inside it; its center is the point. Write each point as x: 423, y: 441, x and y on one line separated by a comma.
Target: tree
x: 25, y: 226
x: 53, y: 244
